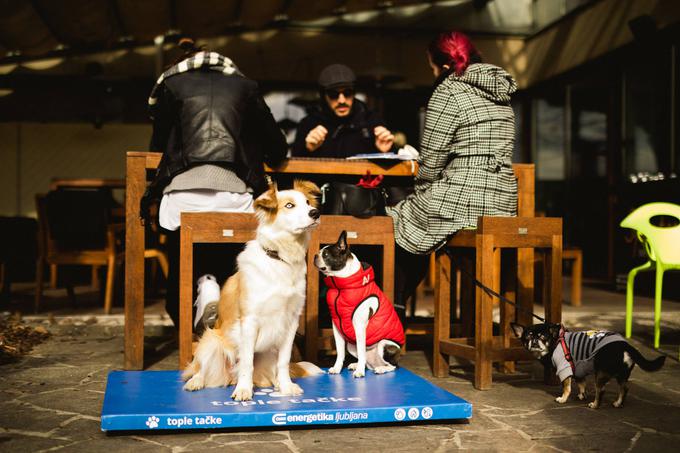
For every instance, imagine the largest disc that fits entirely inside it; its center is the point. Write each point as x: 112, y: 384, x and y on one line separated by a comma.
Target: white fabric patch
x: 176, y: 202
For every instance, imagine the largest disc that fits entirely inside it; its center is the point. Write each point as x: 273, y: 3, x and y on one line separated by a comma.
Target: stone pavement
x: 51, y: 399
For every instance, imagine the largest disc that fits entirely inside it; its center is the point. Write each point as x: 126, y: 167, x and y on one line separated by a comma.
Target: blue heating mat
x: 154, y: 400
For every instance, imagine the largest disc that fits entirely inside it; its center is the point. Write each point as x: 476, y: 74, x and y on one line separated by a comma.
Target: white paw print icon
x: 152, y: 422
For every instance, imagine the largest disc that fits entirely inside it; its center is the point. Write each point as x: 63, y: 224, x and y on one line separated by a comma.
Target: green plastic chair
x: 663, y: 248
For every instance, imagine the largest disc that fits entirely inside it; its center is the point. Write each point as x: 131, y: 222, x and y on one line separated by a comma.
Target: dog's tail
x: 647, y: 365
x: 303, y: 369
x: 213, y: 360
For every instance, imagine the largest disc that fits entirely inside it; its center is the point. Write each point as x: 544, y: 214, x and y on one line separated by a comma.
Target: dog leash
x: 490, y: 291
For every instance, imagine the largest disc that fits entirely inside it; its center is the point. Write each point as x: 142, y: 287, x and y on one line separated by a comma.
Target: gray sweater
x: 210, y: 177
x: 583, y: 346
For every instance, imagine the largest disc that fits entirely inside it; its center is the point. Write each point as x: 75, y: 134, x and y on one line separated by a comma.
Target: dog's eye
x: 290, y: 205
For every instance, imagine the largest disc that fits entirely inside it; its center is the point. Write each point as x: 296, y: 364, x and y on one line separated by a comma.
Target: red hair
x: 454, y: 49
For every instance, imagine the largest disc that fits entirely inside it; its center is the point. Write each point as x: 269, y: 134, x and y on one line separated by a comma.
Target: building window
x: 549, y: 153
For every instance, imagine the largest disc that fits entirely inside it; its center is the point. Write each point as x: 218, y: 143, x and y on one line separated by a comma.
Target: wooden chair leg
x: 53, y: 275
x: 467, y: 297
x: 110, y: 279
x: 186, y: 272
x: 94, y: 277
x: 484, y: 314
x: 508, y: 312
x: 163, y: 261
x: 553, y: 282
x: 311, y: 311
x: 525, y: 285
x: 442, y: 315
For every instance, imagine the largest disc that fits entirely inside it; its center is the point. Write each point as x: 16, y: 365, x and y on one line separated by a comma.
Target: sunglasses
x: 335, y: 94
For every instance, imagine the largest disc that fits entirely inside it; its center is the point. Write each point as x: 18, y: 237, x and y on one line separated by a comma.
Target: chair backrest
x: 662, y: 243
x: 526, y: 189
x: 76, y: 219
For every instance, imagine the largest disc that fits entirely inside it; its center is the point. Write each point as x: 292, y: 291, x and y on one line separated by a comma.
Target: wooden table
x: 87, y: 183
x: 137, y: 165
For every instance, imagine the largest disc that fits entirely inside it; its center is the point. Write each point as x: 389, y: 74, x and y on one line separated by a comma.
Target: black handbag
x: 395, y: 194
x: 339, y: 198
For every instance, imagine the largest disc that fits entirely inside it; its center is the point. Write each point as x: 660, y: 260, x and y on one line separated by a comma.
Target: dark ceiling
x: 32, y: 29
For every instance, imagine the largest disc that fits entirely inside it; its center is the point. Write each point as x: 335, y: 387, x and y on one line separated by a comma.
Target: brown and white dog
x: 260, y: 304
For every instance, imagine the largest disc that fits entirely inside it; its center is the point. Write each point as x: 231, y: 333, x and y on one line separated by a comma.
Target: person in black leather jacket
x: 215, y: 132
x: 340, y: 126
x: 204, y: 116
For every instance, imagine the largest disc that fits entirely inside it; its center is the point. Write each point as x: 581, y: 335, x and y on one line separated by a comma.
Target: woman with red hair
x: 465, y: 162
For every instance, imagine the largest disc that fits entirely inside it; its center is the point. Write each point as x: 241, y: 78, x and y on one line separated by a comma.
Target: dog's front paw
x: 195, y: 383
x: 593, y: 405
x: 335, y: 370
x: 291, y: 389
x: 581, y: 396
x: 242, y: 394
x: 384, y: 369
x: 359, y: 372
x: 561, y: 399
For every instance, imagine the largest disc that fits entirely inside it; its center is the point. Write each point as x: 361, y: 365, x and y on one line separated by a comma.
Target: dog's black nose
x: 315, y: 213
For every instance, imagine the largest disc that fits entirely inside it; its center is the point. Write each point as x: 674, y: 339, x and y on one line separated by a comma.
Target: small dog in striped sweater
x: 575, y: 355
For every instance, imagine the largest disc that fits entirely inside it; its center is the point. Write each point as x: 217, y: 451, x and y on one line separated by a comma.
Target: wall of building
x: 32, y: 154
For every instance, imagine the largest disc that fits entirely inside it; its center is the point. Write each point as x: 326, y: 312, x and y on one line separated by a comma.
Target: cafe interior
x: 597, y: 114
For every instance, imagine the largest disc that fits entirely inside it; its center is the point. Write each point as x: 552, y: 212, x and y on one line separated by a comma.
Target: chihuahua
x: 578, y: 354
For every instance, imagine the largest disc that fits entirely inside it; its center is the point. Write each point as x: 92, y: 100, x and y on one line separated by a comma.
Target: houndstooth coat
x: 465, y: 168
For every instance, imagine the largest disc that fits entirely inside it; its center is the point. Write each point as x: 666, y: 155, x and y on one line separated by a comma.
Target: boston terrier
x: 363, y: 318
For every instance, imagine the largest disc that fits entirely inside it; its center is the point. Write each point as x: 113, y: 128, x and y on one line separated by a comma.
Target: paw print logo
x: 152, y: 422
x: 268, y: 392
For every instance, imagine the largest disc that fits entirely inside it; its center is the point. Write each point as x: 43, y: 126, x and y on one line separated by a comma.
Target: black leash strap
x: 488, y: 290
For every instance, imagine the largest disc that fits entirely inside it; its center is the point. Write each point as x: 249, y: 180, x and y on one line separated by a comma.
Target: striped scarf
x: 209, y: 60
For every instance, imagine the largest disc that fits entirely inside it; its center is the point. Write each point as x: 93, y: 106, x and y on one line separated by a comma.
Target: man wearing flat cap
x: 340, y: 126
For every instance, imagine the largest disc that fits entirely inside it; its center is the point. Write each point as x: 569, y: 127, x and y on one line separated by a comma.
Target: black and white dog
x: 578, y: 354
x: 363, y: 318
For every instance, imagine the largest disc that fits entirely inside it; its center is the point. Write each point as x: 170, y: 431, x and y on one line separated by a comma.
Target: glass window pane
x: 647, y: 125
x: 549, y: 144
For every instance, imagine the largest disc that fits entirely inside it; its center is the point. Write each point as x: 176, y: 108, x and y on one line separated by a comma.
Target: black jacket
x: 204, y: 116
x: 346, y: 136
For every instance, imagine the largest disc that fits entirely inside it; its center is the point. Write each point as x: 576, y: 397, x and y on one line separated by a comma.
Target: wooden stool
x: 492, y: 235
x: 372, y: 231
x: 204, y: 227
x: 576, y: 255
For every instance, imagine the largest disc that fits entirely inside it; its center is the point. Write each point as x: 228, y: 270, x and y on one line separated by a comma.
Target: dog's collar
x: 273, y: 254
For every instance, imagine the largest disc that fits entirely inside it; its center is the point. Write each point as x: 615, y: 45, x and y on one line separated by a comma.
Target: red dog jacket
x: 344, y: 296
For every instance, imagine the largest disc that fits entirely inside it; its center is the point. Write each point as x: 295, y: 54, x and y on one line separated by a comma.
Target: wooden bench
x: 576, y: 255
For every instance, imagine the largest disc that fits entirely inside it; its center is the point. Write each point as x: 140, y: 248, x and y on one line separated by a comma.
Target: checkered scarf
x: 210, y: 60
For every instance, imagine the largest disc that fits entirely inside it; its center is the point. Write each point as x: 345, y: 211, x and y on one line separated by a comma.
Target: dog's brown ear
x: 519, y: 330
x: 310, y: 190
x: 266, y: 204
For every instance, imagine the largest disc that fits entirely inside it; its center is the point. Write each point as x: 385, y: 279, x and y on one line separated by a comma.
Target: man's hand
x: 315, y: 138
x: 383, y: 139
